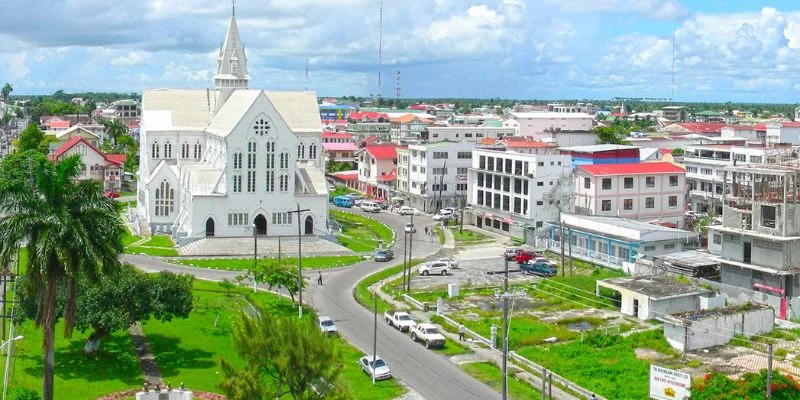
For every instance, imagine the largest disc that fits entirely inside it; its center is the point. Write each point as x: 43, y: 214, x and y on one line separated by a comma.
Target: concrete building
x: 377, y: 170
x: 366, y: 123
x: 407, y: 128
x: 517, y: 193
x: 694, y: 330
x: 470, y: 133
x: 437, y: 173
x: 759, y: 239
x: 563, y: 129
x: 675, y: 113
x: 108, y: 169
x: 230, y: 160
x: 614, y: 241
x: 757, y: 133
x: 705, y: 166
x: 78, y: 131
x: 602, y: 154
x: 642, y: 191
x: 655, y: 296
x: 783, y: 132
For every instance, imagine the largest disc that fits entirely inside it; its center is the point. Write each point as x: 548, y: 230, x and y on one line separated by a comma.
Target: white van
x: 370, y: 206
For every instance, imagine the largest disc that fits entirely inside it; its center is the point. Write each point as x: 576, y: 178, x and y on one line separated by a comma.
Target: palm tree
x: 71, y: 230
x: 6, y: 91
x: 114, y: 129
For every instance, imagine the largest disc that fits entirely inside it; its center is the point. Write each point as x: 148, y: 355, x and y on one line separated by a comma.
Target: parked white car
x: 410, y: 228
x: 443, y: 214
x: 375, y: 367
x: 326, y: 325
x: 406, y: 210
x: 370, y: 206
x: 449, y: 260
x: 428, y: 334
x: 434, y: 268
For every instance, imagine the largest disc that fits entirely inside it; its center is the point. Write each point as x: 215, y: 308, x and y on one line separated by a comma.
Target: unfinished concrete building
x: 758, y: 243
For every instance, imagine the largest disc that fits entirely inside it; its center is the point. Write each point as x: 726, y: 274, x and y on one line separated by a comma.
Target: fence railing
x: 582, y: 253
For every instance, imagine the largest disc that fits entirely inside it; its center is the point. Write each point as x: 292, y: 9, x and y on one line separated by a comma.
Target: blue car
x: 343, y: 201
x: 539, y: 267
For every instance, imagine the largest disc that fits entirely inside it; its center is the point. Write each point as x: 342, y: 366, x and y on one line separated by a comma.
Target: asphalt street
x: 431, y: 375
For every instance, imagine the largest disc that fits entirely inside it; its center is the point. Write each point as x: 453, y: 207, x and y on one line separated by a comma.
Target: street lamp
x: 8, y: 362
x: 255, y: 256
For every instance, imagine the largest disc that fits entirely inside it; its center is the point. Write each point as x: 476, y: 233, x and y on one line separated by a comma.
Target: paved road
x: 431, y: 375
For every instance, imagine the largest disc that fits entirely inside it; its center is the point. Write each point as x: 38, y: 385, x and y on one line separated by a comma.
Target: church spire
x: 232, y: 61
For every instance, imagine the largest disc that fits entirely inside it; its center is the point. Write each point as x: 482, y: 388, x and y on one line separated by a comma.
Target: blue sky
x: 546, y: 49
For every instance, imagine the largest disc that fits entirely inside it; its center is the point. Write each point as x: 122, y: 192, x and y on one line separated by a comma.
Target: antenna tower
x: 306, y: 81
x: 396, y: 87
x: 380, y: 49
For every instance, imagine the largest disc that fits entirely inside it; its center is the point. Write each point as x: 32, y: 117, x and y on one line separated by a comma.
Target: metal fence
x: 581, y: 253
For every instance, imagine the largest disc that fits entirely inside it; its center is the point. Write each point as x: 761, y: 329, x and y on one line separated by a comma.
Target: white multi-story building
x: 437, y: 173
x: 705, y: 165
x: 469, y: 133
x: 783, y: 132
x: 561, y: 128
x: 641, y: 191
x: 517, y: 193
x: 224, y: 161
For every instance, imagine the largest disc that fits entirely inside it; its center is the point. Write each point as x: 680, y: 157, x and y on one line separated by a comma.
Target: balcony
x: 705, y: 195
x: 703, y: 177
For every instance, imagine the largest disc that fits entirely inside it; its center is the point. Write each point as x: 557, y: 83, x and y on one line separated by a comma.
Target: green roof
x: 708, y: 113
x: 495, y: 123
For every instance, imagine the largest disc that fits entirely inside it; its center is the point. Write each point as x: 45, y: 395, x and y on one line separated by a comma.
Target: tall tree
x: 282, y: 357
x: 6, y: 91
x: 118, y: 300
x: 114, y: 129
x: 611, y: 134
x: 71, y: 231
x: 30, y: 139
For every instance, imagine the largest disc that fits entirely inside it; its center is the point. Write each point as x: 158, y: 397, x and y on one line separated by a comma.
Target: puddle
x: 579, y: 326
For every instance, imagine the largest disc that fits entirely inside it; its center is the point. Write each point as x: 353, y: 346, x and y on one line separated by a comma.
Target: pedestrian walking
x: 461, y: 331
x: 319, y: 279
x: 426, y: 229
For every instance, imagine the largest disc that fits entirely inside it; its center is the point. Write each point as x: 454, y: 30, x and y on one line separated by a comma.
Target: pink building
x: 377, y: 170
x: 650, y: 192
x: 105, y: 168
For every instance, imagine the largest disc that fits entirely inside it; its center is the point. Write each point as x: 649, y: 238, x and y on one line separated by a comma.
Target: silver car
x: 326, y: 325
x: 376, y: 367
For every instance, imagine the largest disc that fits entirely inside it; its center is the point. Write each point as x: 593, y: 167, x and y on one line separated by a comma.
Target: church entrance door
x: 309, y: 225
x: 261, y: 225
x: 209, y: 227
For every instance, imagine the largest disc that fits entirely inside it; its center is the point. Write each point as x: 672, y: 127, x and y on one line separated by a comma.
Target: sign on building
x: 666, y: 384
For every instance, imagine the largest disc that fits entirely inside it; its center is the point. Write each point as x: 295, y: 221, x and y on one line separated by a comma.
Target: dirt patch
x: 650, y: 355
x: 126, y: 394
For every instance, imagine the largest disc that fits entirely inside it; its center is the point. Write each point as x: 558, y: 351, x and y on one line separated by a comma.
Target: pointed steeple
x: 232, y: 61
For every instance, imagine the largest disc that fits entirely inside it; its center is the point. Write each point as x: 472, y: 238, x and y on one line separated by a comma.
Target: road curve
x: 431, y: 375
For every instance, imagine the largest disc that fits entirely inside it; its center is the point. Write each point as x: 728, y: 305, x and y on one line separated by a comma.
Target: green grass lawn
x: 128, y: 238
x: 159, y: 241
x: 341, y: 191
x: 525, y: 330
x: 77, y: 376
x: 606, y: 366
x: 439, y: 234
x: 360, y: 233
x: 152, y: 251
x: 570, y: 292
x: 240, y: 264
x: 364, y: 296
x: 468, y: 237
x: 189, y: 350
x: 491, y: 375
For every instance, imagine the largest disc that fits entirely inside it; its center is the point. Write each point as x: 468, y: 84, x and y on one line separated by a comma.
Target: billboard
x: 667, y: 384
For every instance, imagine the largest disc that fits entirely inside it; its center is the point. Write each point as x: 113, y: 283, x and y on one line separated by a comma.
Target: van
x: 343, y: 201
x: 370, y: 206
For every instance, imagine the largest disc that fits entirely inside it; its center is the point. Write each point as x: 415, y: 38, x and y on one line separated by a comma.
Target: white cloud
x: 656, y: 9
x: 16, y: 65
x: 132, y: 58
x: 480, y: 30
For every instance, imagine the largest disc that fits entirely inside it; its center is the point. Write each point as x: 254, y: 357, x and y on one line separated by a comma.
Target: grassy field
x: 151, y: 251
x: 239, y: 264
x: 364, y: 296
x: 360, y: 233
x: 128, y: 238
x: 189, y: 350
x: 491, y: 375
x: 575, y: 291
x: 77, y: 376
x: 159, y: 241
x: 606, y: 365
x: 439, y: 234
x: 468, y: 237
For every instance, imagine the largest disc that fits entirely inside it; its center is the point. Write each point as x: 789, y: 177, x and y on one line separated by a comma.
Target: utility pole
x: 563, y: 243
x: 299, y: 257
x: 441, y: 186
x: 374, y: 334
x: 380, y: 51
x: 405, y: 258
x: 463, y: 204
x: 505, y: 334
x: 410, y: 247
x: 255, y: 257
x: 769, y: 373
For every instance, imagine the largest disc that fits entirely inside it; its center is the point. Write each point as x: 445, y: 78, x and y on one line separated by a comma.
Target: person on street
x: 319, y: 279
x: 461, y: 331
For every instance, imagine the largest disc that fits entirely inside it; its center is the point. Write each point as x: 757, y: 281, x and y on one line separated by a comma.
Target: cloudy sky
x: 740, y: 50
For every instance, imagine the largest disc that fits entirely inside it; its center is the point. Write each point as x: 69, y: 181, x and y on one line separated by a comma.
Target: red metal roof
x: 336, y: 135
x: 527, y: 144
x: 117, y: 159
x: 382, y: 152
x: 632, y: 168
x: 367, y: 115
x: 59, y: 124
x: 757, y: 127
x: 791, y: 124
x: 345, y: 175
x: 389, y: 177
x: 702, y: 127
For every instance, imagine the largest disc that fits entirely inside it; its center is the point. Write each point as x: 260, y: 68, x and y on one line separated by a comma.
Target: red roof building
x: 632, y: 169
x: 106, y: 168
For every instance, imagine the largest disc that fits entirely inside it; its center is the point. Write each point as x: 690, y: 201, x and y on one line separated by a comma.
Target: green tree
x: 283, y: 357
x: 280, y: 276
x: 611, y: 134
x: 716, y: 386
x: 115, y: 129
x: 71, y: 231
x: 6, y: 91
x: 30, y: 139
x: 116, y: 301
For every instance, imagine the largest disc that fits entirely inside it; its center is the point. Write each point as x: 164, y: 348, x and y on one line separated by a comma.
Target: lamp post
x: 255, y: 257
x: 8, y: 359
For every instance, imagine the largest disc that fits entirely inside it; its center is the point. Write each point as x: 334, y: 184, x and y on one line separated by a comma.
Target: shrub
x: 19, y: 393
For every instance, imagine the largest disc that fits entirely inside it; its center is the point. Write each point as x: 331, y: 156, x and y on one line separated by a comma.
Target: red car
x: 524, y: 256
x: 111, y: 194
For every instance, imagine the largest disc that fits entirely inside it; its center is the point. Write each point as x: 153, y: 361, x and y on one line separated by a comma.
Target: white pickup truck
x: 428, y: 334
x: 399, y: 319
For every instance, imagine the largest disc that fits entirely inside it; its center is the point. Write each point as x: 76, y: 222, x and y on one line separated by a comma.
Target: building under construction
x: 759, y: 240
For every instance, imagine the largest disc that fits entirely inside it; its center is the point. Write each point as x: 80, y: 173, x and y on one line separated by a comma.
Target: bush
x: 19, y: 393
x: 751, y: 386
